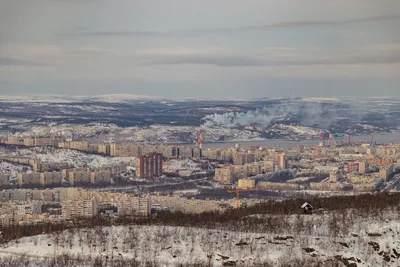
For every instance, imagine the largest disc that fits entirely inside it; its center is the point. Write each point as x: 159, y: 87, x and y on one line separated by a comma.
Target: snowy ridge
x: 366, y: 242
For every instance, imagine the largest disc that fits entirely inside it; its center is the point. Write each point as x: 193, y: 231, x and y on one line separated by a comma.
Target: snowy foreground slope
x: 368, y: 242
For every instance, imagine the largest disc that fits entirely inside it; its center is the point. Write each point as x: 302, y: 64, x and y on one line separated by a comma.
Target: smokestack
x: 197, y: 138
x: 201, y: 136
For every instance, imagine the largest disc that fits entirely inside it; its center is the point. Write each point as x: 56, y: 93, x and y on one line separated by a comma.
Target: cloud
x: 6, y: 61
x: 363, y: 55
x: 283, y: 24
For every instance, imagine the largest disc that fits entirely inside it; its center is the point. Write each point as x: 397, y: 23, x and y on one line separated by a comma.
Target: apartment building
x: 253, y: 168
x: 149, y: 166
x: 367, y: 187
x: 268, y: 166
x: 4, y: 180
x: 242, y: 158
x: 240, y: 171
x: 100, y: 177
x: 281, y: 159
x: 326, y: 187
x: 77, y: 145
x: 189, y: 205
x: 79, y: 208
x: 278, y: 186
x: 13, y: 194
x: 28, y: 179
x: 246, y: 183
x: 79, y: 177
x: 125, y: 150
x: 362, y: 167
x: 133, y: 206
x: 385, y: 172
x: 225, y: 175
x: 50, y: 178
x: 360, y: 179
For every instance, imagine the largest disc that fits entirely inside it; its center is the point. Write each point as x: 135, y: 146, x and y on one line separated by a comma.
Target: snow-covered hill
x: 371, y: 241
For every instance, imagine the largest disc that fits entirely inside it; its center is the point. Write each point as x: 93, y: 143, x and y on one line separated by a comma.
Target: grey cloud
x: 116, y: 33
x: 252, y: 61
x: 284, y: 24
x: 6, y: 61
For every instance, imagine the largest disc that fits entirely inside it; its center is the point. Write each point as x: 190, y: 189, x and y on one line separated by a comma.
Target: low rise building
x: 278, y: 186
x: 326, y: 186
x: 246, y: 183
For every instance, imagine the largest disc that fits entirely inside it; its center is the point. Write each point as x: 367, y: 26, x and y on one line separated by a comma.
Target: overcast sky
x: 203, y: 48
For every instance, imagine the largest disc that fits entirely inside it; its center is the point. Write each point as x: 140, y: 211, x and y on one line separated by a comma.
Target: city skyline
x: 200, y: 49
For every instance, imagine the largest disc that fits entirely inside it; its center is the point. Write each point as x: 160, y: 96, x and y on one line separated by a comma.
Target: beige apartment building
x: 190, y: 205
x: 4, y: 180
x: 326, y: 187
x: 79, y: 177
x: 225, y: 175
x: 268, y: 165
x: 278, y: 186
x: 240, y: 171
x: 50, y: 178
x: 253, y: 168
x: 385, y: 172
x: 78, y: 208
x: 133, y: 206
x: 364, y: 187
x: 100, y: 177
x: 246, y: 183
x: 28, y: 179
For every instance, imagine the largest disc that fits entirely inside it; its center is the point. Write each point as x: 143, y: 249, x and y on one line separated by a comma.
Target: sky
x: 205, y: 49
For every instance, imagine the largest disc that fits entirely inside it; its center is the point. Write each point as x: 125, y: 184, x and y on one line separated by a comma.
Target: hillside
x: 331, y: 237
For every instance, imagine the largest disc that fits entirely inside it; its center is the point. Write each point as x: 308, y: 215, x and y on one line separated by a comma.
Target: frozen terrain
x: 149, y: 119
x: 371, y: 241
x: 73, y: 158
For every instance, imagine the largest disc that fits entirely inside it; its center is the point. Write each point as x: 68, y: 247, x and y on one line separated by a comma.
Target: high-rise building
x: 362, y: 167
x: 281, y: 158
x: 149, y: 166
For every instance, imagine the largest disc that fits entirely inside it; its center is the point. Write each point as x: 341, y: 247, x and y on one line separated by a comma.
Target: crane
x: 238, y: 191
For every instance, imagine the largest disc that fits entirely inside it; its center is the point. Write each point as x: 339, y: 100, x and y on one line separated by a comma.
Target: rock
x: 374, y: 245
x: 386, y: 256
x: 223, y: 257
x: 309, y: 250
x: 374, y: 234
x: 397, y: 254
x: 241, y: 243
x: 229, y: 263
x: 344, y: 244
x: 280, y: 238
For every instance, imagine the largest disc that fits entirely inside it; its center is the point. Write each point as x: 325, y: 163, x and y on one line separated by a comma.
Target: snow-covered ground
x: 99, y: 132
x: 73, y: 158
x: 13, y: 169
x: 371, y: 241
x: 178, y: 165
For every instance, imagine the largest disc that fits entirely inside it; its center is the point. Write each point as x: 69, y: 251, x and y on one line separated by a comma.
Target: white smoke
x: 306, y: 114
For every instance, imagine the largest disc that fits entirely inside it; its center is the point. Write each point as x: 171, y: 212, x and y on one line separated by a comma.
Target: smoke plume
x: 305, y: 114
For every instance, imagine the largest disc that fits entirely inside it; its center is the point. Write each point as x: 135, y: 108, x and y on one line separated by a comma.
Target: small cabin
x: 308, y: 209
